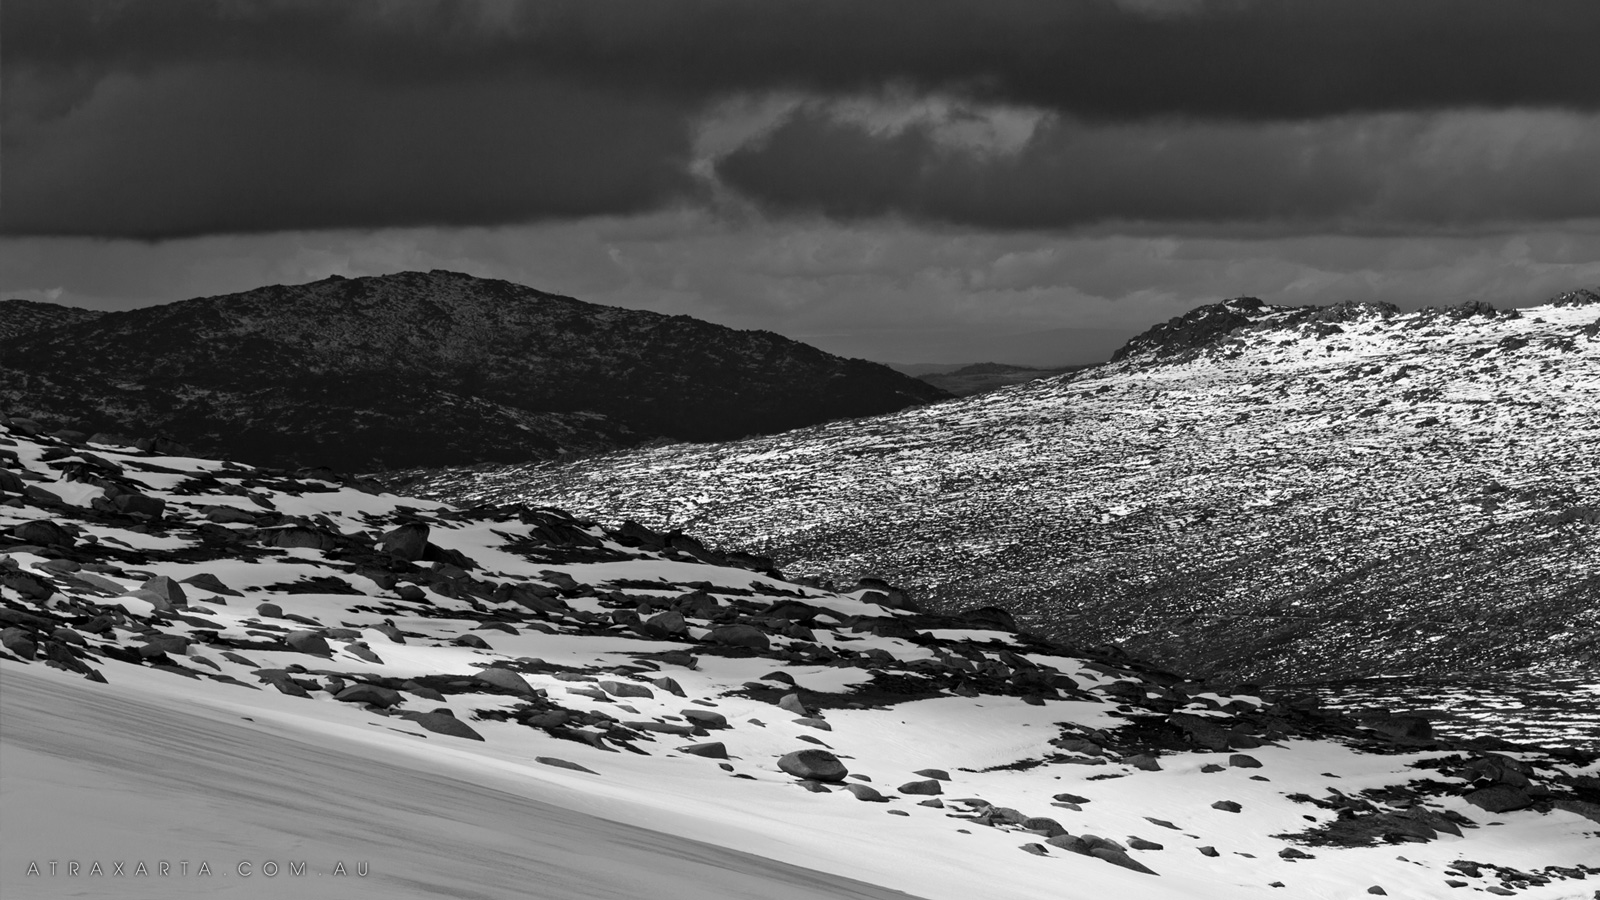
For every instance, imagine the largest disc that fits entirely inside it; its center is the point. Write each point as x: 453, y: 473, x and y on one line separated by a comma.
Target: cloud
x: 177, y: 118
x: 239, y: 148
x: 1448, y: 170
x: 1251, y: 59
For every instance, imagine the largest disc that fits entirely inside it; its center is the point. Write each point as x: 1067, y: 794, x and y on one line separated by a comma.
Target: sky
x: 1027, y: 181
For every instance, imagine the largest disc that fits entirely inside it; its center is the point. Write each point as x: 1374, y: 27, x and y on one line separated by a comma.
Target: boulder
x: 740, y: 636
x: 166, y: 589
x: 667, y: 624
x: 669, y: 684
x: 710, y: 749
x: 228, y: 515
x: 1070, y: 842
x: 43, y: 532
x: 866, y: 793
x: 370, y: 694
x: 1143, y: 761
x: 1048, y: 826
x: 1120, y: 858
x: 308, y: 642
x: 408, y: 542
x: 11, y: 484
x: 157, y: 644
x: 443, y: 722
x: 1590, y: 811
x: 705, y: 718
x: 626, y: 689
x: 505, y: 678
x: 1244, y: 761
x: 929, y: 786
x: 209, y: 582
x: 813, y: 765
x: 1227, y: 806
x: 1500, y: 798
x: 17, y: 641
x: 142, y: 505
x: 791, y: 703
x: 299, y: 537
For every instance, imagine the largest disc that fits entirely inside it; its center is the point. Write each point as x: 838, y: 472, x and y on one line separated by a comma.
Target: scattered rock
x: 705, y: 718
x: 711, y: 750
x: 866, y: 792
x: 1227, y: 806
x: 1500, y: 798
x: 308, y: 642
x: 563, y: 764
x: 929, y: 786
x: 408, y: 542
x: 668, y: 684
x: 813, y: 765
x: 505, y: 678
x: 740, y: 636
x: 1143, y: 761
x: 442, y: 722
x: 369, y: 694
x: 626, y: 689
x: 1048, y: 826
x: 1119, y: 858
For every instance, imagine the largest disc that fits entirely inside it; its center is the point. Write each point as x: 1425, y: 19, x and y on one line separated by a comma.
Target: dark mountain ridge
x: 24, y: 317
x: 432, y: 368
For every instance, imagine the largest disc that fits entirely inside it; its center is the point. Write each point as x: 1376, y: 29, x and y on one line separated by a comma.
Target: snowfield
x: 211, y: 662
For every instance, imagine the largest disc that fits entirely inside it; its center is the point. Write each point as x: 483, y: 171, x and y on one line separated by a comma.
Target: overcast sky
x: 904, y: 180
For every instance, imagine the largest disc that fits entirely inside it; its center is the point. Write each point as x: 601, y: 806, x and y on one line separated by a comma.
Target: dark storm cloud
x: 1090, y: 58
x: 180, y: 117
x: 239, y: 148
x: 1444, y: 170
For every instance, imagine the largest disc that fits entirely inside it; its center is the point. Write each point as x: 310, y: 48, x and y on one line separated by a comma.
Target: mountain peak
x: 429, y: 368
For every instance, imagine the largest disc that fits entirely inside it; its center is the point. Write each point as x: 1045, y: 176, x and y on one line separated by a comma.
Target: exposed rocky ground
x: 419, y: 369
x: 23, y: 317
x: 1271, y: 493
x: 629, y: 661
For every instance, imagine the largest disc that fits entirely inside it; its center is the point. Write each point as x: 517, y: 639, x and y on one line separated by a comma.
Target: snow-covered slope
x: 209, y: 662
x: 1276, y: 493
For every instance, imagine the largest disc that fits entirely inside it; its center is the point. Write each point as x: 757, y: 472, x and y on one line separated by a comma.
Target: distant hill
x: 423, y: 369
x: 1260, y: 491
x: 24, y: 317
x: 980, y: 377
